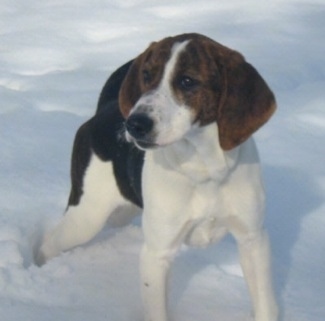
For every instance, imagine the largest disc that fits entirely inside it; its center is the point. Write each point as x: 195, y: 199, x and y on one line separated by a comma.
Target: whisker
x: 121, y: 133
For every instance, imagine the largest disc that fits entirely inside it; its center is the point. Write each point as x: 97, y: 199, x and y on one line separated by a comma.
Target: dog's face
x: 187, y: 81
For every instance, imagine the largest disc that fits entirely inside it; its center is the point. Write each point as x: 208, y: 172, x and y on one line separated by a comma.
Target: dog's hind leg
x: 100, y: 197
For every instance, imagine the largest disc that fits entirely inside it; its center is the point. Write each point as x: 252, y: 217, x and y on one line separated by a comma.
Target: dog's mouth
x: 143, y: 145
x: 140, y: 143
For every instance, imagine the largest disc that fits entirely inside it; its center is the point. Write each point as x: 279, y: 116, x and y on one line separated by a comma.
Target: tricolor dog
x: 172, y: 135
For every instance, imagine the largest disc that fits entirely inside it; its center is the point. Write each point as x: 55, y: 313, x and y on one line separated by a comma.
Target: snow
x: 55, y: 56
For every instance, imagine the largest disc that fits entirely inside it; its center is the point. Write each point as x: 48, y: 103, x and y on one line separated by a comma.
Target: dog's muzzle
x: 139, y: 129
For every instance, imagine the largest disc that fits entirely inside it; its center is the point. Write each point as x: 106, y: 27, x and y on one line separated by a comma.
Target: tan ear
x: 130, y: 89
x: 247, y: 103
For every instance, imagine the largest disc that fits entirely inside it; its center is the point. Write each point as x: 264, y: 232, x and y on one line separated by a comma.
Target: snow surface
x: 55, y: 55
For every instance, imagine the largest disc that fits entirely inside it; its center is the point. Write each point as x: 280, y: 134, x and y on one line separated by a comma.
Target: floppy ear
x: 130, y: 90
x: 247, y: 102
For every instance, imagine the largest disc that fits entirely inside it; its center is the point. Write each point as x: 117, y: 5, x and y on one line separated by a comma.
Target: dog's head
x: 190, y: 80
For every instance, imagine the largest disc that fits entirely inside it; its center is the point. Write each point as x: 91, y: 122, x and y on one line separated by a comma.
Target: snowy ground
x: 54, y: 57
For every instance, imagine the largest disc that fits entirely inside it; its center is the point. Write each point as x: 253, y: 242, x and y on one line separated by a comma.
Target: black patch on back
x: 103, y: 135
x: 107, y: 141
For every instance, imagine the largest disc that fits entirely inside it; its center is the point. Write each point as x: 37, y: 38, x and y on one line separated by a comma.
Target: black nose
x: 139, y: 125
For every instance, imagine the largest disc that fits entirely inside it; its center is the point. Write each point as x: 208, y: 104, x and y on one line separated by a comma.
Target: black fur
x: 103, y: 135
x: 112, y: 86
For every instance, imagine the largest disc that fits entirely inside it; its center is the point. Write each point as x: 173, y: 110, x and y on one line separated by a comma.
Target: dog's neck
x: 198, y: 155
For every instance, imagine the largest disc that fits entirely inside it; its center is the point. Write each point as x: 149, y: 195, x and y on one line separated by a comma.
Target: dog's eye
x: 187, y: 83
x: 146, y: 76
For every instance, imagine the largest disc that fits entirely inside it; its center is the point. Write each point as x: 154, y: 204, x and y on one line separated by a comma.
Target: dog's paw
x: 43, y: 252
x: 39, y: 258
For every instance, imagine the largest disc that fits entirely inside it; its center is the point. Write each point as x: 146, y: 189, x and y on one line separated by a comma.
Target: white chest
x: 199, y: 156
x: 189, y: 176
x: 195, y: 183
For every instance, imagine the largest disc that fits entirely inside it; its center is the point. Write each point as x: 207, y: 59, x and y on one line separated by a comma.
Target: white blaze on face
x: 177, y: 48
x: 172, y: 120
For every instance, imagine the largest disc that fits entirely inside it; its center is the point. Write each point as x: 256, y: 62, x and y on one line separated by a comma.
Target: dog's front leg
x: 166, y: 220
x: 255, y: 260
x: 162, y: 242
x: 154, y: 275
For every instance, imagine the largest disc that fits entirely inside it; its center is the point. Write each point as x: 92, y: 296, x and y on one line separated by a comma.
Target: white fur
x: 203, y: 194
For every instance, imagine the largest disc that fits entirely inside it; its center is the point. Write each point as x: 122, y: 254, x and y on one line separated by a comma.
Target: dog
x: 172, y: 135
